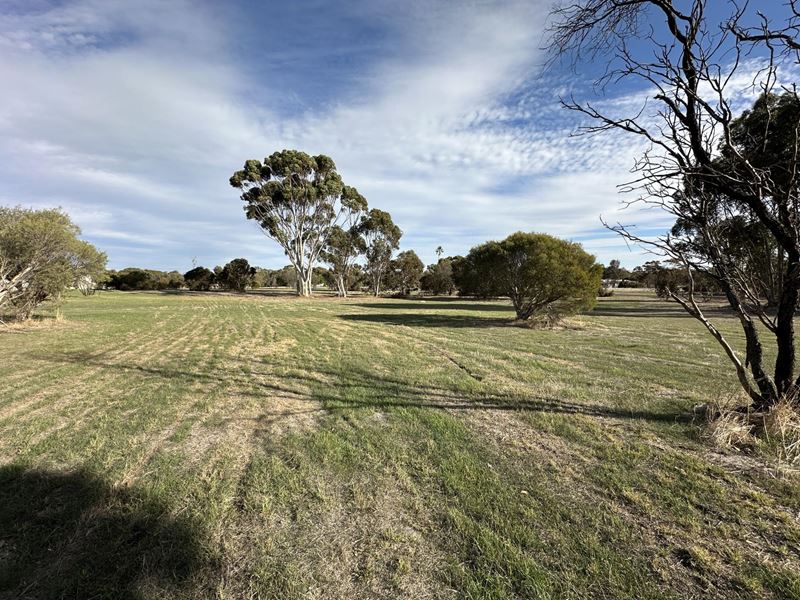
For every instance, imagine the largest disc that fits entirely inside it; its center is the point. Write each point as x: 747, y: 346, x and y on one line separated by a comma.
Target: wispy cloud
x: 133, y: 116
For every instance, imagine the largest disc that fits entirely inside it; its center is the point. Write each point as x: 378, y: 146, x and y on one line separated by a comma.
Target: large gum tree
x: 298, y: 200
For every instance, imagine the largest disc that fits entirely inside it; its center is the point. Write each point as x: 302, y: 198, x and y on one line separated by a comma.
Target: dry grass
x: 774, y: 433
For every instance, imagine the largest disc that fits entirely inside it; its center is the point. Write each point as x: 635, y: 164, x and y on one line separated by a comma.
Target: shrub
x: 237, y: 275
x: 199, y: 279
x: 40, y: 256
x: 545, y: 277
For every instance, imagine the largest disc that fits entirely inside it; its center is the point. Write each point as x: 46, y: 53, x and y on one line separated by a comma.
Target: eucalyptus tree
x: 705, y: 166
x: 381, y: 239
x: 297, y: 200
x: 409, y: 269
x: 343, y: 248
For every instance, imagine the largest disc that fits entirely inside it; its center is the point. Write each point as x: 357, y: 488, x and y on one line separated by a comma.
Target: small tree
x: 615, y: 271
x: 382, y: 238
x: 438, y: 278
x: 542, y: 275
x: 343, y: 247
x: 237, y: 275
x: 408, y: 268
x: 297, y: 200
x: 40, y: 256
x: 89, y: 268
x: 199, y: 279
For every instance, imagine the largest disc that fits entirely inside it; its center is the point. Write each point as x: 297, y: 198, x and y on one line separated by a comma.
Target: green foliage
x: 131, y: 279
x: 342, y: 248
x: 615, y: 271
x: 438, y: 278
x: 40, y: 256
x: 474, y: 274
x: 237, y: 275
x: 541, y: 274
x: 199, y: 279
x: 405, y: 272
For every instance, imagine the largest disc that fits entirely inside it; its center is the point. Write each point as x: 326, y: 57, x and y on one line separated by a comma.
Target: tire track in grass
x: 116, y: 387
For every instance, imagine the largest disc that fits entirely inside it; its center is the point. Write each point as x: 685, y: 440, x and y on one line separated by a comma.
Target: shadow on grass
x: 661, y: 309
x: 71, y: 535
x: 428, y: 320
x: 361, y: 389
x: 440, y: 304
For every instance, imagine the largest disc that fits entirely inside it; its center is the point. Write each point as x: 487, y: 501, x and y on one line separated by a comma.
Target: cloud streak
x: 132, y: 117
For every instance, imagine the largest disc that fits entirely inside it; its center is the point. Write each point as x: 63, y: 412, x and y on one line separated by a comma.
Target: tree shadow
x: 71, y: 535
x: 381, y: 392
x: 428, y: 320
x: 439, y: 304
x: 361, y: 389
x: 661, y: 309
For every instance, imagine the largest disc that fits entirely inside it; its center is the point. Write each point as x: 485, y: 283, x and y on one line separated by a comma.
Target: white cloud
x: 132, y: 117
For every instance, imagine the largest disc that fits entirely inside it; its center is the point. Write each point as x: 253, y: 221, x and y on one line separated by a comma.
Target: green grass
x: 211, y: 445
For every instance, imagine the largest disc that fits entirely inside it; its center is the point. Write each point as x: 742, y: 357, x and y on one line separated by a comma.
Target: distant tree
x: 237, y: 275
x: 286, y: 277
x: 542, y: 275
x: 199, y: 279
x: 647, y: 273
x: 217, y: 270
x: 40, y: 256
x: 169, y: 280
x: 357, y: 279
x: 615, y: 271
x: 438, y: 278
x: 382, y: 238
x: 297, y: 200
x: 439, y: 252
x: 341, y: 251
x: 261, y: 278
x: 408, y: 269
x: 89, y: 268
x: 130, y: 279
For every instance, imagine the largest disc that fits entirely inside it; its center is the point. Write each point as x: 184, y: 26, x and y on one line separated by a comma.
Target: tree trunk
x: 784, y: 334
x: 341, y: 285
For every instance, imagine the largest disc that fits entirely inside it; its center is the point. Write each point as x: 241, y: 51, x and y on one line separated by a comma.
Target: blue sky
x: 132, y: 116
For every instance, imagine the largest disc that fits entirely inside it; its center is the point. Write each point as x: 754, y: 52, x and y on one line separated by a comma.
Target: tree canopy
x: 237, y: 275
x: 40, y: 256
x: 542, y: 275
x: 407, y: 271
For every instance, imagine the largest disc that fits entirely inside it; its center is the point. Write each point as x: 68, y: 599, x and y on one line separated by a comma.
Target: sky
x: 131, y: 116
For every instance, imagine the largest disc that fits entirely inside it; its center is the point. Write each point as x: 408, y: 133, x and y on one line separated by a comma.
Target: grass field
x: 212, y: 445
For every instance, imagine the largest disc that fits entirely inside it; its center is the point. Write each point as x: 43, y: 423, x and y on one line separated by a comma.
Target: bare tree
x: 703, y: 165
